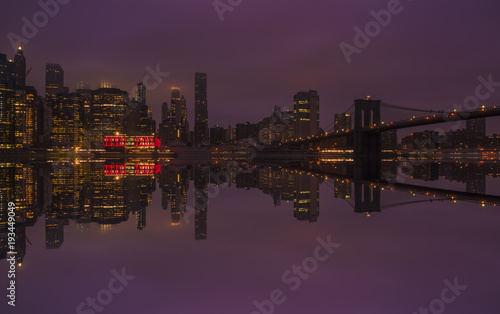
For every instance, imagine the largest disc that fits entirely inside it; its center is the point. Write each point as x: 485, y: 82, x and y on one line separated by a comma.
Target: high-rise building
x: 476, y: 181
x: 477, y: 126
x: 217, y: 135
x: 389, y: 140
x: 66, y: 119
x: 168, y: 127
x: 342, y: 189
x: 230, y: 134
x: 201, y: 178
x: 54, y: 233
x: 7, y: 99
x: 146, y: 124
x: 245, y: 131
x: 165, y: 111
x: 306, y: 200
x: 342, y: 122
x: 176, y: 106
x: 7, y: 191
x: 141, y: 93
x: 20, y: 69
x: 32, y: 106
x: 476, y: 132
x: 179, y: 114
x: 84, y: 114
x: 274, y: 128
x: 25, y: 111
x: 54, y: 80
x: 201, y: 109
x: 182, y: 112
x: 138, y: 120
x: 108, y: 112
x: 20, y: 120
x: 306, y: 112
x: 289, y: 120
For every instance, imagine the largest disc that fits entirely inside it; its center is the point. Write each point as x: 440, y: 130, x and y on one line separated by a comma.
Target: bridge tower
x: 367, y: 142
x: 366, y: 197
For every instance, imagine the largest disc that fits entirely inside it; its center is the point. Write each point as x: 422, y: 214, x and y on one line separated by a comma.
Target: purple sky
x: 429, y: 56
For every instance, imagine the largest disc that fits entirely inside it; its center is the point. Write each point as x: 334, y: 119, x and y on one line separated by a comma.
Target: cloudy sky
x: 429, y: 55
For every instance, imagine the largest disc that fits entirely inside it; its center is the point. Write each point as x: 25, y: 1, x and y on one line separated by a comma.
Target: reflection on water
x: 109, y: 193
x: 66, y: 212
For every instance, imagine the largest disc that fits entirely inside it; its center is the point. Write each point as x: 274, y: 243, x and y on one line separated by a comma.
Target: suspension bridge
x: 366, y: 134
x: 368, y: 193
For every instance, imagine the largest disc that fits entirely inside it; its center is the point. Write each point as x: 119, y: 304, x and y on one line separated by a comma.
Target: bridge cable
x: 409, y: 108
x: 349, y: 108
x: 330, y: 184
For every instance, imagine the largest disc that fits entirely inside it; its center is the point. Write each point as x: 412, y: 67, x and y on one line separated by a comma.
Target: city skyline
x: 113, y: 197
x: 338, y: 83
x: 81, y: 118
x: 237, y: 156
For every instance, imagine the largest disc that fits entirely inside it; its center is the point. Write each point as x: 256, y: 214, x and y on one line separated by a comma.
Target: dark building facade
x: 54, y: 80
x: 201, y: 109
x: 306, y: 113
x: 201, y: 178
x: 217, y: 135
x: 178, y: 111
x: 141, y: 93
x: 342, y: 122
x: 7, y: 99
x: 245, y: 130
x: 476, y: 130
x: 389, y: 140
x: 306, y: 200
x: 20, y: 68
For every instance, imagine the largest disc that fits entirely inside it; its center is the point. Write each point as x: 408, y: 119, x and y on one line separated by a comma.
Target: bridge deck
x: 414, y: 122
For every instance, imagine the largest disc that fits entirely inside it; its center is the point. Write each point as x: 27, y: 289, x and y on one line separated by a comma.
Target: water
x: 79, y: 227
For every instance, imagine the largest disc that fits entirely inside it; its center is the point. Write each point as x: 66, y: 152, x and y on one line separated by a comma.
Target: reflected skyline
x: 99, y: 193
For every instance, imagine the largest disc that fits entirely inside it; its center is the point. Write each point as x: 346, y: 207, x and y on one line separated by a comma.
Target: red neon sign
x: 138, y: 141
x: 136, y: 170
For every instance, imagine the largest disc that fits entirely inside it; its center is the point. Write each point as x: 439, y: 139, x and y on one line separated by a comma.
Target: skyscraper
x: 165, y: 112
x: 306, y: 113
x: 7, y: 98
x: 179, y: 114
x: 107, y: 112
x: 141, y: 93
x: 54, y: 80
x: 476, y: 132
x: 65, y: 108
x: 32, y: 107
x: 54, y: 233
x: 20, y: 69
x: 175, y: 102
x: 217, y: 135
x: 342, y: 122
x: 477, y: 126
x: 20, y: 120
x: 306, y: 200
x: 201, y: 108
x: 201, y: 178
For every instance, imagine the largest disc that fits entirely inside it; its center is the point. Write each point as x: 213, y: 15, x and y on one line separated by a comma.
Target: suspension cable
x: 410, y: 109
